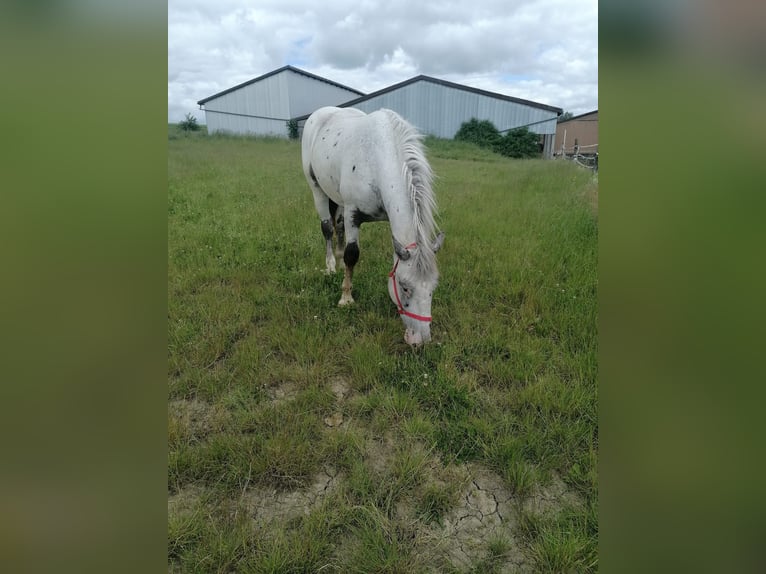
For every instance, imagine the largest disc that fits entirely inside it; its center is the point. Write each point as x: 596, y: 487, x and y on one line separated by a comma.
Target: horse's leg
x: 350, y: 255
x: 340, y: 236
x: 322, y: 204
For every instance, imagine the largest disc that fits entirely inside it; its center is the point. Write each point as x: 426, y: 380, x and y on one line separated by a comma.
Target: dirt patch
x: 484, y: 512
x: 379, y: 454
x: 550, y: 498
x: 340, y: 388
x: 334, y: 420
x: 193, y: 419
x: 266, y: 505
x: 282, y: 392
x: 185, y: 502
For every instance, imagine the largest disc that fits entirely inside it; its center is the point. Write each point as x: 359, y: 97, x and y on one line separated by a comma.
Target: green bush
x: 519, y: 143
x: 292, y: 129
x: 482, y: 133
x: 189, y: 124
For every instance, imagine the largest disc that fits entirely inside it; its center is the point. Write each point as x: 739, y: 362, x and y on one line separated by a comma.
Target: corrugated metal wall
x: 308, y: 94
x: 261, y: 108
x: 265, y: 106
x: 440, y: 110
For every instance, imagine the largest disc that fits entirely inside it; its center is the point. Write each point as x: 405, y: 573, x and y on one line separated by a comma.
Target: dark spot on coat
x: 358, y: 216
x: 335, y: 144
x: 351, y: 254
x: 353, y: 168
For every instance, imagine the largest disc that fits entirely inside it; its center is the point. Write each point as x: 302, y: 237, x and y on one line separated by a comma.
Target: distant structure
x: 439, y: 108
x: 264, y: 105
x: 580, y: 131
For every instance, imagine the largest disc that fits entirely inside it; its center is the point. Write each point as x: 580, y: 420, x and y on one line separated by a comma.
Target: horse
x: 372, y: 167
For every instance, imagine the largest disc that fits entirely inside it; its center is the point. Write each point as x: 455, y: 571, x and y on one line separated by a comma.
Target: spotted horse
x: 372, y: 167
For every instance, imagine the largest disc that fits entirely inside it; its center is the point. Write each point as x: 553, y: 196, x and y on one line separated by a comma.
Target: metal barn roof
x: 577, y: 117
x: 447, y: 84
x: 439, y: 107
x: 274, y: 72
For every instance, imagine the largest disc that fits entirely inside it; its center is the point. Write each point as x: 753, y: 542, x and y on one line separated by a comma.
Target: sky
x: 540, y: 50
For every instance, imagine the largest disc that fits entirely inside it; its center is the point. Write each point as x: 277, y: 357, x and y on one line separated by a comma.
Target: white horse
x: 373, y: 168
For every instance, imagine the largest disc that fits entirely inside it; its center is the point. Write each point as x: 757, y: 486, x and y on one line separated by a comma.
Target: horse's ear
x: 401, y: 252
x: 437, y: 244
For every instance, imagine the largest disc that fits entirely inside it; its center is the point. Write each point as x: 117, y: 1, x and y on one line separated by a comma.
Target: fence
x: 583, y: 155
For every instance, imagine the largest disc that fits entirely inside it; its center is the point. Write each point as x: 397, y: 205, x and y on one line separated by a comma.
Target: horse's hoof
x: 329, y: 271
x: 345, y: 301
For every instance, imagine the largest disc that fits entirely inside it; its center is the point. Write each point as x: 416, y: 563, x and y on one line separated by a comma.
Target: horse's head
x: 411, y: 287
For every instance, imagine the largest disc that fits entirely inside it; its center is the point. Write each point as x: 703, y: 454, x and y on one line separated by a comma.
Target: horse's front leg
x: 350, y: 256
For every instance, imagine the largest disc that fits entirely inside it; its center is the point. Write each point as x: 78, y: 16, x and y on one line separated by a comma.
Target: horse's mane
x: 418, y: 178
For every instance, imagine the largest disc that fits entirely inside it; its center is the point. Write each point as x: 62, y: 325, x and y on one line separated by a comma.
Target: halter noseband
x: 402, y: 310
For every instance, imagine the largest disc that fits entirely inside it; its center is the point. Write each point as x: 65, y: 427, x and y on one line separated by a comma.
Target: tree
x: 564, y: 117
x: 189, y: 124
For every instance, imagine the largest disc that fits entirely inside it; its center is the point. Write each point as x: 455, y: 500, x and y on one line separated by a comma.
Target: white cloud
x: 541, y: 50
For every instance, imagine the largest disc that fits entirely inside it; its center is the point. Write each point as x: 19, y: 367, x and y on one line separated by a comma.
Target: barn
x: 264, y: 105
x: 581, y: 131
x: 438, y: 107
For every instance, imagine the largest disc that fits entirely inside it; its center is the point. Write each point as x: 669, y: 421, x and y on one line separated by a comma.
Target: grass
x: 257, y: 346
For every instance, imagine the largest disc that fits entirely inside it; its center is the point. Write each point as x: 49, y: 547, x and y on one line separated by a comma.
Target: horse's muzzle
x: 416, y: 338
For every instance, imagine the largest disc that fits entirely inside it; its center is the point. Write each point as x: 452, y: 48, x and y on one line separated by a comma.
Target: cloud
x: 543, y: 50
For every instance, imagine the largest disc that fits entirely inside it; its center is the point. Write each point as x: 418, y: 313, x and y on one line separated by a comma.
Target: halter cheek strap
x: 401, y: 309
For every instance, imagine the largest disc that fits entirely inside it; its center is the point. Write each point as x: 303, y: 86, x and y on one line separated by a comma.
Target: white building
x: 264, y: 105
x: 439, y: 108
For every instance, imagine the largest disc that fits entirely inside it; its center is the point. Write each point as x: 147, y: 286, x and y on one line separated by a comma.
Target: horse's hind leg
x: 323, y: 204
x: 329, y: 256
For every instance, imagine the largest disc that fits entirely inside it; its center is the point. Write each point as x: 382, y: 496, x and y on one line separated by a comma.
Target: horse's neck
x: 400, y: 217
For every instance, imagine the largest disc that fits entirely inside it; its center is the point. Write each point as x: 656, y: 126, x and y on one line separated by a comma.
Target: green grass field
x: 304, y: 437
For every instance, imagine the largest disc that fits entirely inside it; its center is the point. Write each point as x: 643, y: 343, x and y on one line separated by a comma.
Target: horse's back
x: 321, y: 118
x: 346, y: 153
x: 329, y: 138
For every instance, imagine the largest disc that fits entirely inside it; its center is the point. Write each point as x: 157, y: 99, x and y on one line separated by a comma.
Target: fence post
x: 564, y: 145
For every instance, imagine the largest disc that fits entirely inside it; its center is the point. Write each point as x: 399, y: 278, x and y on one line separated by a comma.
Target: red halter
x: 401, y: 309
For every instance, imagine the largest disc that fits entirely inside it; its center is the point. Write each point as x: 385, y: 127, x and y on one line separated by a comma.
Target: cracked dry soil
x: 484, y: 510
x: 266, y: 505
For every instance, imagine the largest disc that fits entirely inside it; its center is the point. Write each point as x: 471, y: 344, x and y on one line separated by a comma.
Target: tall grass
x: 508, y: 382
